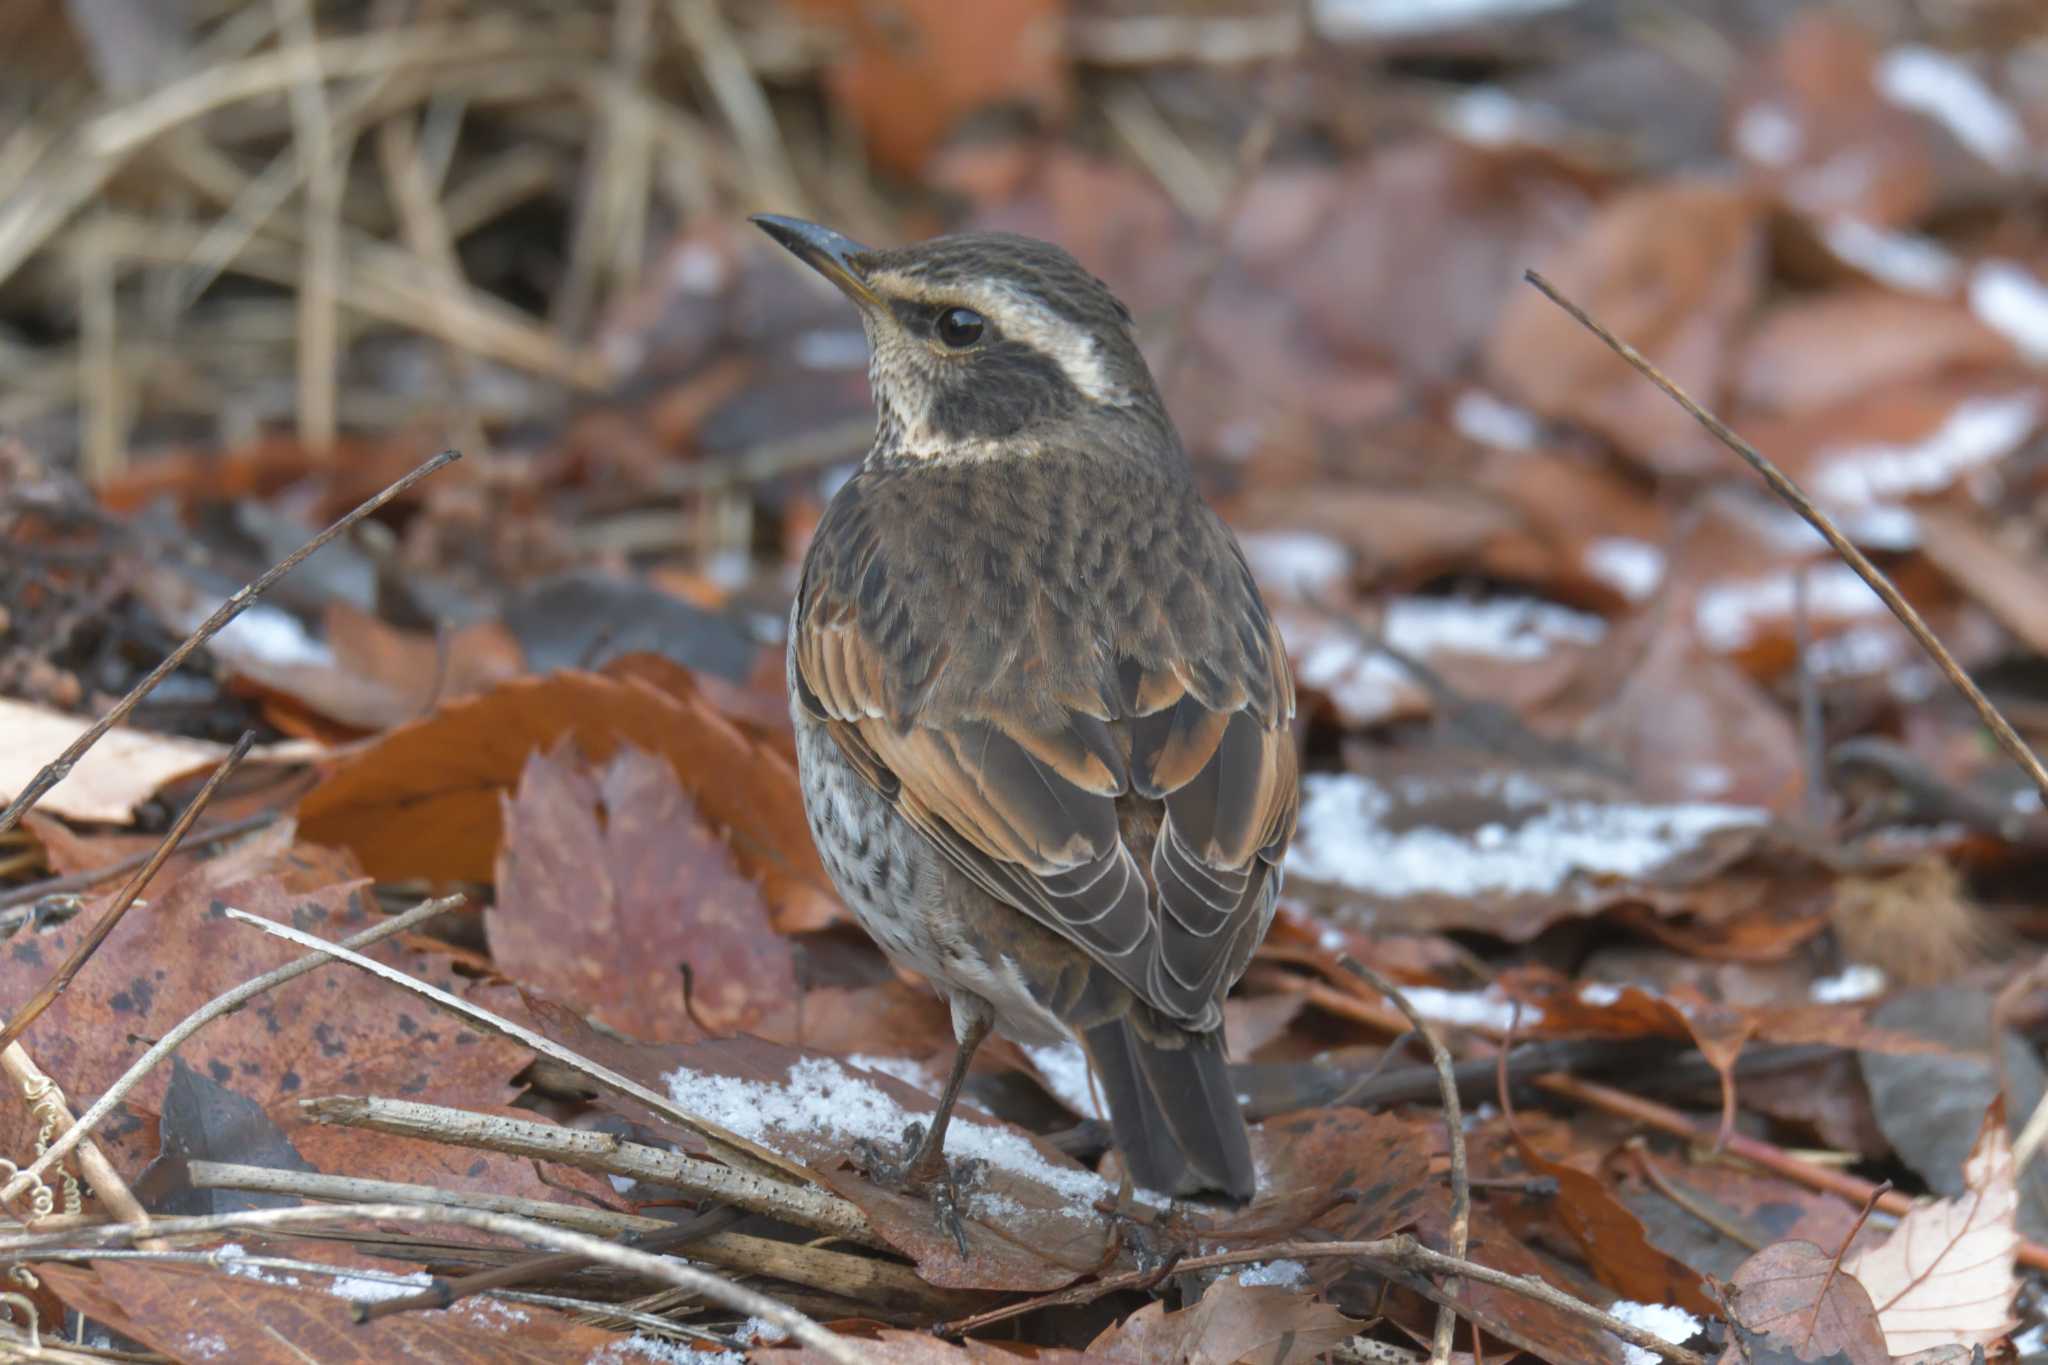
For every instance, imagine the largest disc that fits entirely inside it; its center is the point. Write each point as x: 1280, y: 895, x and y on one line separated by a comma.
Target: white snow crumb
x: 1353, y: 20
x: 1857, y: 981
x: 697, y: 269
x: 1768, y: 135
x: 1239, y: 440
x: 207, y: 1347
x: 1488, y: 116
x: 1707, y: 780
x: 491, y: 1313
x: 1468, y: 1009
x: 729, y: 568
x: 1366, y: 684
x: 1631, y: 567
x: 1285, y: 1274
x: 2031, y: 1342
x: 820, y: 1097
x: 1881, y: 526
x: 622, y: 1184
x: 2011, y: 300
x: 268, y: 635
x: 230, y: 1256
x: 1945, y: 89
x: 1918, y: 265
x: 641, y: 1347
x: 1600, y: 994
x: 1481, y: 417
x: 363, y: 1290
x: 1296, y: 561
x: 832, y: 348
x: 758, y: 1332
x: 1675, y: 1325
x: 1729, y: 615
x: 1873, y: 647
x: 1064, y: 1068
x: 1331, y: 939
x: 1976, y: 432
x: 908, y: 1070
x: 2025, y: 800
x: 1344, y: 839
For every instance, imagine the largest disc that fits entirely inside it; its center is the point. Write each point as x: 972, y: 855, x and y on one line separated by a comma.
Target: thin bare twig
x: 91, y: 877
x: 198, y: 1019
x: 60, y: 767
x: 1794, y: 497
x: 1454, y: 1124
x: 60, y: 980
x: 46, y: 1101
x: 668, y: 1270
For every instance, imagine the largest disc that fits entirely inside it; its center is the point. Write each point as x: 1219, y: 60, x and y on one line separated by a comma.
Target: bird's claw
x: 917, y: 1167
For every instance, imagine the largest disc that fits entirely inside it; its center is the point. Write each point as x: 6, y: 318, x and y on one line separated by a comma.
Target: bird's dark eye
x: 960, y: 327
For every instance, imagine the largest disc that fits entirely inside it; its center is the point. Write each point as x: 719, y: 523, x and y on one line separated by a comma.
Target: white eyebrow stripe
x: 1019, y: 316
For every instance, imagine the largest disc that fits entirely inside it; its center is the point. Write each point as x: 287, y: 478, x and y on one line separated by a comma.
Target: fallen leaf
x: 124, y: 769
x: 1801, y: 1299
x: 1947, y: 1275
x: 424, y: 800
x: 1232, y: 1321
x: 1814, y: 353
x: 611, y: 887
x: 1671, y: 269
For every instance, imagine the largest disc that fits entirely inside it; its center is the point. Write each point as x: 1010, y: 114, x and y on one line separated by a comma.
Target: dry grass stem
x: 43, y: 1097
x: 803, y: 1205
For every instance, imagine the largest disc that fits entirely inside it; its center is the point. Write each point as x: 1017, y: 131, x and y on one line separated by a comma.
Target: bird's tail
x: 1171, y: 1108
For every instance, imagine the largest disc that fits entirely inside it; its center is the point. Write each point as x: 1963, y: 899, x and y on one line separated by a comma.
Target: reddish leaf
x: 610, y: 884
x: 1801, y: 1299
x: 1232, y: 1321
x: 424, y: 800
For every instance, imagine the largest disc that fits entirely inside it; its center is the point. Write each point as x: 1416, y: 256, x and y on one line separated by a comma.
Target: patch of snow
x: 1947, y: 90
x: 268, y: 635
x: 905, y: 1069
x: 658, y: 1349
x: 1861, y: 650
x: 758, y: 1332
x: 1857, y: 981
x: 1976, y: 432
x: 1674, y: 1325
x: 1296, y: 561
x: 1239, y: 440
x: 1481, y: 417
x: 1631, y: 567
x: 1768, y: 135
x: 206, y: 1346
x: 697, y: 268
x: 1881, y: 526
x: 1285, y: 1274
x: 1730, y: 615
x: 1345, y: 839
x: 2025, y: 800
x: 1353, y: 20
x: 231, y: 1257
x: 1600, y: 994
x: 622, y: 1184
x: 821, y: 1097
x: 491, y: 1314
x: 832, y: 348
x: 2011, y: 300
x: 362, y: 1289
x: 1707, y: 780
x: 1488, y: 116
x: 1366, y: 684
x: 1469, y: 1009
x: 2032, y: 1342
x: 1064, y: 1068
x: 1917, y: 265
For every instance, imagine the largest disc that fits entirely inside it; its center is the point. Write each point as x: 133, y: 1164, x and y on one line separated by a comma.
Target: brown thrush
x: 1041, y: 712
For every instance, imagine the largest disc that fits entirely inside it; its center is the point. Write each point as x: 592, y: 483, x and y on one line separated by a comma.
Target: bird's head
x: 981, y: 343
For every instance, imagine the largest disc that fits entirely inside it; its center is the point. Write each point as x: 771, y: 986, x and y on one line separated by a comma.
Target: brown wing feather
x: 1009, y: 716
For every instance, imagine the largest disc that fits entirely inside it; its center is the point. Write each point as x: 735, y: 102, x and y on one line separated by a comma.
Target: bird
x: 1042, y: 715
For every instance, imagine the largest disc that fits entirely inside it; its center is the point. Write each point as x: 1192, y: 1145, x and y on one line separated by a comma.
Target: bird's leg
x: 926, y: 1165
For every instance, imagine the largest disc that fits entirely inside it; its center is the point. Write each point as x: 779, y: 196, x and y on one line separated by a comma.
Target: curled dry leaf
x: 424, y: 800
x: 1947, y: 1275
x: 1232, y: 1321
x: 611, y: 885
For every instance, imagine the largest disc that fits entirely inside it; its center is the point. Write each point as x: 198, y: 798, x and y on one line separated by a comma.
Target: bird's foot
x: 919, y: 1166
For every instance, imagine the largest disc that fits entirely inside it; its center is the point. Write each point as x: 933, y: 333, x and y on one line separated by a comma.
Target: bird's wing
x: 1012, y: 756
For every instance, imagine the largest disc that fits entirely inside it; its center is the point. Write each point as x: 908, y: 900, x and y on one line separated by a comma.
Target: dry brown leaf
x: 116, y: 775
x: 1671, y: 268
x: 1799, y: 1298
x: 1232, y: 1321
x: 1809, y: 354
x: 423, y: 801
x: 611, y: 885
x: 2004, y: 579
x: 1947, y: 1275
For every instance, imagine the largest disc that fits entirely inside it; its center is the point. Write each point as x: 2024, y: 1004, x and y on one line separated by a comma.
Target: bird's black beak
x: 829, y: 253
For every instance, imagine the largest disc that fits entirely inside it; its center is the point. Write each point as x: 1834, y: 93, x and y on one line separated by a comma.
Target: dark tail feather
x: 1172, y: 1111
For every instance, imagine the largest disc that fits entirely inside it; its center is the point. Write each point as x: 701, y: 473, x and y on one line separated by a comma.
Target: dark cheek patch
x: 998, y: 392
